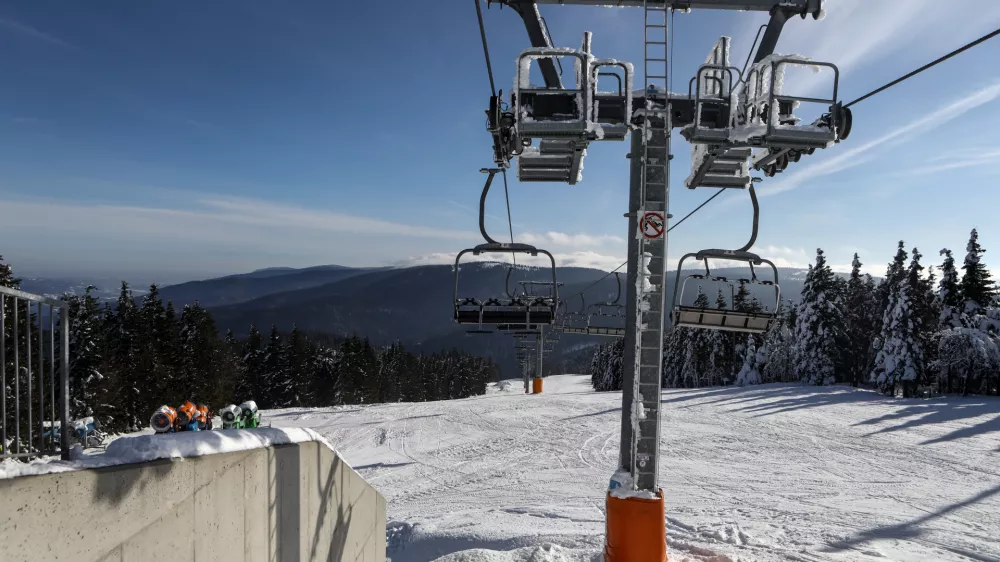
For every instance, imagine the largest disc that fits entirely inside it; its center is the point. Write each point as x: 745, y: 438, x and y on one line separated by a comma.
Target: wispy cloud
x: 266, y: 213
x: 860, y: 33
x: 564, y: 240
x: 968, y: 158
x: 210, y: 220
x: 28, y: 31
x: 570, y: 259
x: 259, y: 232
x: 870, y: 150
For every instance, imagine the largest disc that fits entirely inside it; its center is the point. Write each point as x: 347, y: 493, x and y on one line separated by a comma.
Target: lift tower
x: 635, y: 514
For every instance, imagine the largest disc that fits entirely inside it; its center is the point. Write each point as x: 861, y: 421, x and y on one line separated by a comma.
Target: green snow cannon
x: 250, y: 416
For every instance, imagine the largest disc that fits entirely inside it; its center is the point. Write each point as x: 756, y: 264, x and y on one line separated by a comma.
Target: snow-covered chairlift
x: 767, y: 113
x: 712, y: 88
x: 611, y: 111
x: 553, y: 113
x: 715, y: 161
x: 565, y: 120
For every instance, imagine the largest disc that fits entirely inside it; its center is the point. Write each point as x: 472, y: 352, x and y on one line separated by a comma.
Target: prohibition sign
x: 651, y: 225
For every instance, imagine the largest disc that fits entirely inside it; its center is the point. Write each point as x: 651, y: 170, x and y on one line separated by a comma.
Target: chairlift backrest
x: 552, y: 112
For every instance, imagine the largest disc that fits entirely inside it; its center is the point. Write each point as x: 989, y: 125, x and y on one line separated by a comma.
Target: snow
x: 147, y: 447
x: 765, y: 473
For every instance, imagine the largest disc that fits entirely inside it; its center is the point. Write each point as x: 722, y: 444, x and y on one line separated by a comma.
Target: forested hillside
x: 915, y: 330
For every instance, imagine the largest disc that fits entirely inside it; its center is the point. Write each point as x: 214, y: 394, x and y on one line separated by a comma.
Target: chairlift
x: 513, y: 310
x: 736, y: 114
x: 601, y: 311
x: 690, y: 316
x: 565, y: 120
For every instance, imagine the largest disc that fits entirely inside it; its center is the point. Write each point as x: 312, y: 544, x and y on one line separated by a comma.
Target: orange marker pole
x: 536, y: 385
x: 635, y: 530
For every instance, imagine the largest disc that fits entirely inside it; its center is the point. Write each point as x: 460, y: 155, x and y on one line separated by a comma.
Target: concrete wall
x: 281, y: 503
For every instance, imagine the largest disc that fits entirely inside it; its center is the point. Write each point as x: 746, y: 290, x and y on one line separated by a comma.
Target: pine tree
x: 748, y: 373
x: 861, y: 322
x: 156, y: 357
x: 250, y: 383
x: 88, y: 390
x: 277, y: 391
x: 698, y: 353
x: 613, y: 374
x: 122, y: 329
x: 776, y: 352
x: 325, y: 374
x: 675, y: 345
x: 299, y: 376
x: 392, y: 362
x: 819, y: 326
x: 900, y: 361
x: 977, y: 288
x: 949, y: 293
x: 723, y: 355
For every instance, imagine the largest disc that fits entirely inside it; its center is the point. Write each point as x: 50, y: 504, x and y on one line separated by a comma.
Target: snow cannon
x: 163, y: 419
x: 251, y: 417
x: 232, y: 417
x: 204, y: 417
x: 187, y: 417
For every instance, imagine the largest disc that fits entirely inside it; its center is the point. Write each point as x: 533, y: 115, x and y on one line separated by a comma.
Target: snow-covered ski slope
x: 775, y: 472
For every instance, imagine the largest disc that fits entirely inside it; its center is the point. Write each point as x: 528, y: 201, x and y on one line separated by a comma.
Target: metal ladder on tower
x: 651, y: 286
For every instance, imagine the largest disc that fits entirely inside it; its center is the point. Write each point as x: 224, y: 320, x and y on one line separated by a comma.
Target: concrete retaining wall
x: 281, y: 503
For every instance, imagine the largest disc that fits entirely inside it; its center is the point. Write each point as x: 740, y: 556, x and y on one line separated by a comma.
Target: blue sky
x: 162, y: 141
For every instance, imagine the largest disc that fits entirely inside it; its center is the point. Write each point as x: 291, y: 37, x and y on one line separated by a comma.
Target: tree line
x: 904, y: 334
x: 126, y: 358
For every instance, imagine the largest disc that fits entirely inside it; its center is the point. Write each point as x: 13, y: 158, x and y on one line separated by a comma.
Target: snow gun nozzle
x: 163, y: 419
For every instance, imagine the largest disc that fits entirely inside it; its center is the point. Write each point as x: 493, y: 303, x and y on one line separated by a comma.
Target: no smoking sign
x: 651, y: 225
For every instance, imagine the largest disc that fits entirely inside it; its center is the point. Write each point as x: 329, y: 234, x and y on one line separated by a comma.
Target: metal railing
x: 31, y: 395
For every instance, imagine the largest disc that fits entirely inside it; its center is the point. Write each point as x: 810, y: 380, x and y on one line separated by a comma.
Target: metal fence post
x: 64, y: 381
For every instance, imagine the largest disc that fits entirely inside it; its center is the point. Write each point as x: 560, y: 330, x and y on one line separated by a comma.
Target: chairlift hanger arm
x: 533, y: 23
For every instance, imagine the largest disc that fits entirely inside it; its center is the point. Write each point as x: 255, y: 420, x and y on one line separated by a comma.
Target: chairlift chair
x: 564, y: 120
x: 689, y: 316
x: 735, y: 114
x: 602, y: 310
x: 513, y: 310
x: 727, y: 319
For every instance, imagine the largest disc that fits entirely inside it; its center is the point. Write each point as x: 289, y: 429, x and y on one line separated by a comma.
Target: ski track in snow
x: 779, y: 472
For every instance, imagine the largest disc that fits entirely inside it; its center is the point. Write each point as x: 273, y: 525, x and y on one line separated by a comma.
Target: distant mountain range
x: 412, y: 305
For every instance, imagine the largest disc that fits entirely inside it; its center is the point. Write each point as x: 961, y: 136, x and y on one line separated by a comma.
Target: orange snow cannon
x: 187, y: 417
x: 163, y: 419
x: 204, y: 417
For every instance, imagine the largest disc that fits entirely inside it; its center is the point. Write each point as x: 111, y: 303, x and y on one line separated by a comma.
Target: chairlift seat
x: 726, y: 320
x: 690, y: 316
x: 721, y: 167
x: 611, y: 116
x: 596, y: 331
x: 552, y: 161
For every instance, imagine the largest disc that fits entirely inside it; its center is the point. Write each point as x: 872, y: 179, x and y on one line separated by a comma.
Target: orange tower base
x: 635, y: 530
x: 536, y: 386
